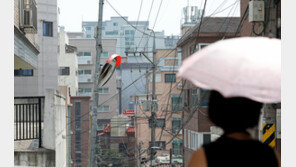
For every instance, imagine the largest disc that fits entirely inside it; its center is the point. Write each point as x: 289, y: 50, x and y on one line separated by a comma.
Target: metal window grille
x: 28, y: 118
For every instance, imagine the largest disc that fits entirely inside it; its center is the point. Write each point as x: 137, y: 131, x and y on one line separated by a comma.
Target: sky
x: 73, y: 12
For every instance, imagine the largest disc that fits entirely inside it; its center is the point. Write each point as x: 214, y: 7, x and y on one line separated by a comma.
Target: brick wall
x: 84, y: 102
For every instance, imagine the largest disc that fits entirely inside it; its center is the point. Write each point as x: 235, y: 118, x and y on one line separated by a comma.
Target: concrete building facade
x: 169, y: 114
x: 86, y: 54
x: 48, y: 42
x: 80, y: 128
x: 68, y: 64
x: 26, y: 51
x: 36, y: 85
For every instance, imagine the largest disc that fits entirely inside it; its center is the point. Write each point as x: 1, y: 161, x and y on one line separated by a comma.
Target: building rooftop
x: 213, y: 25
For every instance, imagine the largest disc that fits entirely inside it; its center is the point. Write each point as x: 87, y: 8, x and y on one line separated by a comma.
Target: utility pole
x: 95, y: 95
x: 269, y: 110
x: 140, y: 158
x: 119, y: 87
x: 171, y: 156
x: 153, y: 112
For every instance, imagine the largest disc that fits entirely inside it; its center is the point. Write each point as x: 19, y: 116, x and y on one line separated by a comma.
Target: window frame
x: 22, y: 73
x: 47, y: 28
x: 167, y: 80
x: 64, y: 71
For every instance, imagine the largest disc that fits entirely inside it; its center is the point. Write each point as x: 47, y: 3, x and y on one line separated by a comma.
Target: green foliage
x: 111, y: 157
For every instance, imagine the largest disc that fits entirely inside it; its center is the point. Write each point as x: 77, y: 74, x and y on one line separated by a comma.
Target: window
x: 84, y: 54
x: 205, y: 94
x: 129, y: 41
x: 176, y: 102
x: 169, y: 78
x: 176, y: 125
x: 115, y: 32
x: 80, y: 72
x: 115, y: 24
x: 87, y: 90
x: 202, y: 46
x: 47, y: 29
x: 122, y: 148
x: 103, y: 90
x: 160, y: 144
x: 77, y: 158
x: 88, y: 28
x: 80, y: 90
x: 87, y: 71
x: 64, y: 71
x: 23, y: 72
x: 105, y: 54
x: 129, y: 32
x: 104, y: 108
x: 160, y: 123
x: 87, y: 53
x: 177, y: 147
x: 80, y: 54
x: 194, y: 98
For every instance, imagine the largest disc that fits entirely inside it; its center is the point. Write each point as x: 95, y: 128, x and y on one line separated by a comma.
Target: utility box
x: 147, y: 105
x: 256, y: 11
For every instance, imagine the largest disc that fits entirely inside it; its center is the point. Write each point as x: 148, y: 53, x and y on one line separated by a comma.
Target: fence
x: 28, y: 118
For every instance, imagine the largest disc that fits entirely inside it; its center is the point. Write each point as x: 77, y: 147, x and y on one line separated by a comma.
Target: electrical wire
x: 128, y: 22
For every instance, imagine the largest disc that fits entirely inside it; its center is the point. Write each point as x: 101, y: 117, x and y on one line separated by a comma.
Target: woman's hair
x: 233, y: 114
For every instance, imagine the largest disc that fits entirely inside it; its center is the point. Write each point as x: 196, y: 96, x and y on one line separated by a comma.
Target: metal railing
x: 28, y: 118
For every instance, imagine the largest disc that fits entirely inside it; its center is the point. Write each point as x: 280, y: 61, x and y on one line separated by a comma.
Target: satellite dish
x: 108, y: 69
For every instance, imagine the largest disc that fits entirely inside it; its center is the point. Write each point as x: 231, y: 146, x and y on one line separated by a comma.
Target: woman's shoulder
x: 198, y: 158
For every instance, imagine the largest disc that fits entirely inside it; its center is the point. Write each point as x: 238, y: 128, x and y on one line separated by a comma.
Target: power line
x: 139, y: 12
x: 145, y: 29
x: 130, y: 23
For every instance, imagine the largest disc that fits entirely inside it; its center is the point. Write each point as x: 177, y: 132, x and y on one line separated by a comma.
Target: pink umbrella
x: 239, y: 67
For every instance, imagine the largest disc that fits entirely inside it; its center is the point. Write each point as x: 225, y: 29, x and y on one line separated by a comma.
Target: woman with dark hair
x: 235, y: 148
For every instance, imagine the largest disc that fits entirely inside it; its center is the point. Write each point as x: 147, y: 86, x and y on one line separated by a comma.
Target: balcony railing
x: 28, y: 118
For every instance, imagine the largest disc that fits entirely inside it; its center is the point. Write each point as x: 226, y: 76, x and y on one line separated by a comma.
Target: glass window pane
x: 87, y: 53
x: 170, y: 78
x: 87, y: 71
x: 87, y: 90
x: 105, y: 54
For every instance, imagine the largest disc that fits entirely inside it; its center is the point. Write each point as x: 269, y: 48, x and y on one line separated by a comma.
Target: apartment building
x: 26, y: 51
x: 80, y: 128
x: 197, y: 129
x: 86, y: 54
x: 68, y: 64
x: 130, y: 40
x: 169, y: 114
x: 39, y: 108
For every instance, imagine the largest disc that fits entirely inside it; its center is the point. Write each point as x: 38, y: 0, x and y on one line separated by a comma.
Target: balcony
x: 85, y: 78
x: 85, y: 60
x: 28, y: 118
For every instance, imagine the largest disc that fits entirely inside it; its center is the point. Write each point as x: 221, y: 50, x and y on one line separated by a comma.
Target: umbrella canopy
x: 239, y: 67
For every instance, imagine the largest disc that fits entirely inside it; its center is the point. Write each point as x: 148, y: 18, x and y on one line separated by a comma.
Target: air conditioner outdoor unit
x: 28, y: 16
x: 88, y: 80
x: 88, y: 61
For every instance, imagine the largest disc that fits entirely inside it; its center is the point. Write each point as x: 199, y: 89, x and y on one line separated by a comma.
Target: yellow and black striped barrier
x: 269, y: 134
